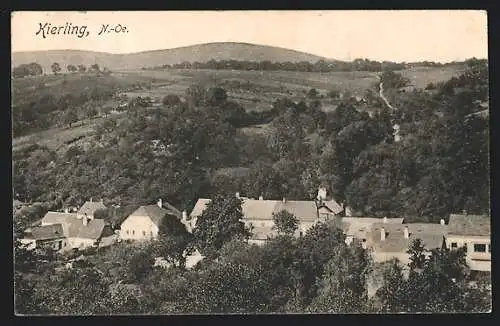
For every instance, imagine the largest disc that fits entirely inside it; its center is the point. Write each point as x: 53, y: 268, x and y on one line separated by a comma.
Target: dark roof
x: 48, y: 232
x: 432, y: 235
x: 90, y: 207
x: 332, y: 206
x: 172, y: 210
x: 473, y: 225
x: 360, y: 227
x: 73, y: 227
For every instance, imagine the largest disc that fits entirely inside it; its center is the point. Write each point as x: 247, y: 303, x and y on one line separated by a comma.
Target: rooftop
x: 73, y: 226
x: 89, y: 207
x: 48, y: 232
x: 360, y: 227
x: 263, y: 209
x: 472, y: 225
x: 432, y: 235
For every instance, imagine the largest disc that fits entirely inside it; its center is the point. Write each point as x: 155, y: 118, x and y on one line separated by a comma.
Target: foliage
x: 285, y: 222
x: 56, y: 68
x: 219, y: 223
x: 24, y: 70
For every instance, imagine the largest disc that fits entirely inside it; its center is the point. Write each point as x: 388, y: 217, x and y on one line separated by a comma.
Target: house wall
x: 257, y: 242
x: 380, y: 257
x: 138, y: 228
x: 29, y: 243
x: 259, y: 223
x: 80, y: 243
x: 480, y: 261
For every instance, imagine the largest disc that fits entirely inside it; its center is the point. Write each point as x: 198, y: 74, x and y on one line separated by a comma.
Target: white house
x: 144, y: 223
x: 80, y: 232
x: 474, y: 233
x: 258, y: 213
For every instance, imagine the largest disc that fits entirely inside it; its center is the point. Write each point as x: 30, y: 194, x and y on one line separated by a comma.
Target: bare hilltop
x: 201, y: 53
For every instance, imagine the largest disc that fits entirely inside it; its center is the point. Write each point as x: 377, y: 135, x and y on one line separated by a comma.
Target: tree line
x: 302, y: 66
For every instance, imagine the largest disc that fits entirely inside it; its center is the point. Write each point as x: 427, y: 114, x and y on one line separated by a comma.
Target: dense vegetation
x: 183, y: 150
x: 314, y: 273
x: 302, y: 66
x: 178, y: 150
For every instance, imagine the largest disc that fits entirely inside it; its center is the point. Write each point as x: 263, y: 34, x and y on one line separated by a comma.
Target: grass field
x: 263, y: 88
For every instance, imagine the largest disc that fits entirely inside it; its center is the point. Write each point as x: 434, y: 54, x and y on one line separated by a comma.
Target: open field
x: 254, y: 90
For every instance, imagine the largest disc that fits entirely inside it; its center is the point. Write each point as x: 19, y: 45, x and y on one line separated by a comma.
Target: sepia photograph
x: 250, y: 162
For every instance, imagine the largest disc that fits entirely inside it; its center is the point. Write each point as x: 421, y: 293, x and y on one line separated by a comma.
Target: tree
x: 313, y: 93
x: 343, y: 285
x: 171, y: 100
x: 334, y: 94
x: 417, y: 251
x: 31, y: 69
x: 82, y: 68
x: 70, y: 117
x: 174, y: 241
x: 95, y: 68
x: 195, y: 94
x: 285, y: 223
x: 215, y: 96
x: 72, y: 68
x: 219, y: 223
x: 106, y: 71
x: 56, y: 68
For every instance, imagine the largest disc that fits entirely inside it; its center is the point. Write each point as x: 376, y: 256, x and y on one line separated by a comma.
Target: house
x: 45, y: 236
x: 359, y: 228
x: 258, y: 213
x: 391, y: 240
x: 474, y: 233
x: 89, y: 208
x: 80, y: 232
x: 144, y: 223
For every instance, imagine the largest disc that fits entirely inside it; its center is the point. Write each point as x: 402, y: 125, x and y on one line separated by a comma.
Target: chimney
x: 160, y: 203
x: 382, y: 234
x: 90, y: 199
x: 102, y: 201
x: 237, y: 195
x: 284, y: 200
x: 184, y: 215
x: 321, y: 193
x: 261, y: 198
x: 85, y: 220
x: 385, y: 219
x: 442, y: 222
x: 464, y: 212
x: 406, y: 233
x: 66, y: 210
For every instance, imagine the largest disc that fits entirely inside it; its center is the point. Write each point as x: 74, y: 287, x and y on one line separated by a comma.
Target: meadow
x: 254, y: 90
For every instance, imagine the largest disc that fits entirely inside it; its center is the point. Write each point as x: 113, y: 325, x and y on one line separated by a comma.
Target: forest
x: 181, y: 151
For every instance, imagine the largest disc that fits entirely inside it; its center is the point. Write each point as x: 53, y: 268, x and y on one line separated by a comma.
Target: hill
x: 200, y: 52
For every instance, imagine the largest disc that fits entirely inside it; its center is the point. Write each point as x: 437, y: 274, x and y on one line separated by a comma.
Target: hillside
x: 200, y: 52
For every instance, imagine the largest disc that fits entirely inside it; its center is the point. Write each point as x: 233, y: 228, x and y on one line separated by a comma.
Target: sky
x: 395, y: 35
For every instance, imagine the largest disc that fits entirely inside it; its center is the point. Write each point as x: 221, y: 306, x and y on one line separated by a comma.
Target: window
x: 479, y: 247
x: 301, y: 234
x: 465, y: 247
x: 489, y: 248
x: 151, y: 233
x: 133, y: 232
x: 127, y: 232
x: 144, y: 233
x: 454, y: 245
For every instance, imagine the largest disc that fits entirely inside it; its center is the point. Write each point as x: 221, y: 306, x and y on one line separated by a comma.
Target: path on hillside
x: 382, y: 96
x: 395, y: 126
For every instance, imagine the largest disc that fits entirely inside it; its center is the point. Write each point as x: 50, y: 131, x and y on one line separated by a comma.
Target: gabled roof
x: 432, y: 236
x: 172, y: 210
x: 154, y: 212
x: 48, y: 232
x: 332, y: 206
x: 73, y: 227
x: 472, y: 225
x: 302, y: 209
x: 256, y: 209
x: 360, y: 227
x: 199, y: 207
x: 90, y: 207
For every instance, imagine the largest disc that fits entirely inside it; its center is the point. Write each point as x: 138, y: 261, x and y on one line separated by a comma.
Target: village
x: 385, y: 238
